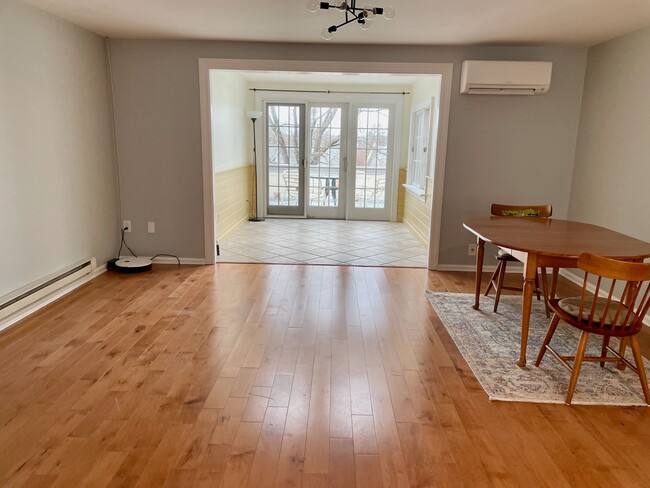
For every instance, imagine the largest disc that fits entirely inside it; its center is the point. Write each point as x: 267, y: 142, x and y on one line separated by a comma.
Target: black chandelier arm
x: 352, y: 8
x: 354, y: 19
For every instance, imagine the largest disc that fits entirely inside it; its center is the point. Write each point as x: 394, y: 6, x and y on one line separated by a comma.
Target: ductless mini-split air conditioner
x: 505, y: 77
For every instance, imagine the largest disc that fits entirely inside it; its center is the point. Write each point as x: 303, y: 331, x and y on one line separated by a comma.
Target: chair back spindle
x: 602, y: 309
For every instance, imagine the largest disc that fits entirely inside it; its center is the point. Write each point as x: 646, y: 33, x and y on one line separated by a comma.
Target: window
x: 418, y: 161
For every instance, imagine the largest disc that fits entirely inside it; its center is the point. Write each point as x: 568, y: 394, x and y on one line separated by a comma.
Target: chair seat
x: 571, y: 306
x: 505, y: 256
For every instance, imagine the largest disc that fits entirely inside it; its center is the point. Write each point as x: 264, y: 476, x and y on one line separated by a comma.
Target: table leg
x: 546, y: 292
x: 529, y: 286
x: 480, y: 251
x: 556, y: 271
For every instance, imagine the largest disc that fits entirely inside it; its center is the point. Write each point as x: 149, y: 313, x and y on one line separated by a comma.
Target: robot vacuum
x: 130, y: 265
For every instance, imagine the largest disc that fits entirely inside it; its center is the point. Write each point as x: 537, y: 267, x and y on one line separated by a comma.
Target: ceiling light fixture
x: 361, y: 16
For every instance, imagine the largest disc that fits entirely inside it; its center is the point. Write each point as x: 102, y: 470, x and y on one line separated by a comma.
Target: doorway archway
x: 443, y: 69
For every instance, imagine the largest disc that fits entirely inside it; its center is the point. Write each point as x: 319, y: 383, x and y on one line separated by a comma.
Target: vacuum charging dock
x: 129, y: 265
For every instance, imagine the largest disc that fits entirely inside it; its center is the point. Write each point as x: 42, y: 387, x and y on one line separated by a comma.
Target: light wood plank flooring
x: 280, y: 375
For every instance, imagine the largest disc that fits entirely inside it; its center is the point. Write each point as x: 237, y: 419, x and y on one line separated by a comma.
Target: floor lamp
x: 254, y: 115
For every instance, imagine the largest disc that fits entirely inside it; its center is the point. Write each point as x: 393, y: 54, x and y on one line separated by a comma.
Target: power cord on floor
x: 169, y: 255
x: 123, y: 243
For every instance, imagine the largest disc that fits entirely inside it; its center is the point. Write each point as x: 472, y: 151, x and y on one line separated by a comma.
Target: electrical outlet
x: 126, y: 224
x: 471, y: 250
x: 151, y: 227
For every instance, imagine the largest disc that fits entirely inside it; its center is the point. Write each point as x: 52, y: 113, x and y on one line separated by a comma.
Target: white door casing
x: 445, y: 70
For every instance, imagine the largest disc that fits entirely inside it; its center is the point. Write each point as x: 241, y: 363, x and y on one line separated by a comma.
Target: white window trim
x: 415, y: 190
x: 419, y: 191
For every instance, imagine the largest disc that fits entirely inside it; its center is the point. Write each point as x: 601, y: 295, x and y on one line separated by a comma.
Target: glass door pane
x: 326, y: 192
x: 285, y: 159
x: 373, y: 162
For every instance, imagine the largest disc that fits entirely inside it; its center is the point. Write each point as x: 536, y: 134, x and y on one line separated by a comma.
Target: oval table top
x: 555, y: 237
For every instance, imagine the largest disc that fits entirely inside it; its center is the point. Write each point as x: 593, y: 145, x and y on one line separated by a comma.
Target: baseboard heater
x: 32, y: 293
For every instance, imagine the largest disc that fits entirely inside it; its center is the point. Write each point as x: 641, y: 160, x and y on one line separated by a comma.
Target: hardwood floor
x: 280, y: 375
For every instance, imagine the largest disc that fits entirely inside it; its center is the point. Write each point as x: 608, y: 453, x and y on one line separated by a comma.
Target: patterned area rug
x: 489, y: 343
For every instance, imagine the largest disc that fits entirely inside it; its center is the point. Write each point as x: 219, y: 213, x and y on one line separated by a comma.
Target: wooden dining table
x: 550, y: 243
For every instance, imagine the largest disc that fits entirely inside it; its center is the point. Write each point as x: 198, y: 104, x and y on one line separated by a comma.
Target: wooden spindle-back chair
x: 502, y: 257
x: 605, y: 315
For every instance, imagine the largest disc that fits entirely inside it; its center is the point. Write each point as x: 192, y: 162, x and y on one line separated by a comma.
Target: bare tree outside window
x: 325, y: 126
x: 325, y: 133
x: 283, y: 135
x: 283, y: 147
x: 372, y: 138
x: 371, y: 157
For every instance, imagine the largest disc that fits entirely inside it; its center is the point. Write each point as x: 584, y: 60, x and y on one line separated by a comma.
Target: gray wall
x: 508, y: 149
x: 612, y: 167
x: 58, y: 200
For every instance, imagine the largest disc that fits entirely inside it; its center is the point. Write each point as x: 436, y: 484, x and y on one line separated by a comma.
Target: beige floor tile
x: 312, y: 241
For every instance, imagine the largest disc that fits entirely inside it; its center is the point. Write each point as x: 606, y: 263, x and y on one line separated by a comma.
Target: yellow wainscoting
x: 401, y: 194
x: 417, y: 213
x: 232, y: 190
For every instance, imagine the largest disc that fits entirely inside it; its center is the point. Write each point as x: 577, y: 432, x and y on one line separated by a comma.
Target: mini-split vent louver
x: 505, y: 77
x: 30, y: 294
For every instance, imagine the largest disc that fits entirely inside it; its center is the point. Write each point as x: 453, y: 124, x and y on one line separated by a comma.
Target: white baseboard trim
x: 170, y: 260
x: 30, y: 309
x: 574, y: 278
x: 472, y: 268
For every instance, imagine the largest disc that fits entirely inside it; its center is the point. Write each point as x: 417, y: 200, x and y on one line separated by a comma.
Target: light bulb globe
x: 389, y: 13
x: 313, y: 6
x: 368, y: 12
x: 365, y: 25
x: 326, y: 34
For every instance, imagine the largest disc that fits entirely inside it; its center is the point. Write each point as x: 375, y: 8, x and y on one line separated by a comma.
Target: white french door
x: 332, y: 160
x: 326, y: 163
x: 285, y: 159
x: 370, y: 167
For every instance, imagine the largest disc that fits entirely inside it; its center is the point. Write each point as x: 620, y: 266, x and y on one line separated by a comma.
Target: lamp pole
x: 254, y: 115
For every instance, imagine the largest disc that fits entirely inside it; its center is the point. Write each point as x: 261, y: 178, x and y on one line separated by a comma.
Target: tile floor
x: 310, y: 241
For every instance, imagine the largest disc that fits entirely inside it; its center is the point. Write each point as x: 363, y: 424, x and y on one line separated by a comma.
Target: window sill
x: 415, y: 190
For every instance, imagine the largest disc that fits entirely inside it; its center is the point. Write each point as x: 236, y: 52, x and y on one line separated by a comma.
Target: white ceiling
x: 581, y: 22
